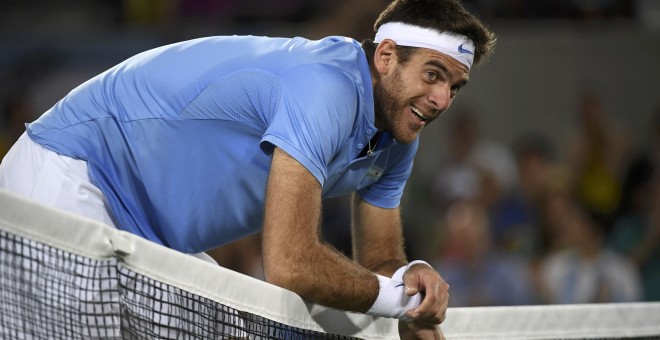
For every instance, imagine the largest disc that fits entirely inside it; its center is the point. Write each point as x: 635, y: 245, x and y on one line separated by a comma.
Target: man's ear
x: 385, y: 56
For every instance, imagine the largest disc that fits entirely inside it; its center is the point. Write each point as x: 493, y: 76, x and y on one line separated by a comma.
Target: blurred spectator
x: 636, y: 233
x: 458, y: 179
x: 515, y: 217
x: 476, y: 167
x: 478, y: 275
x: 555, y: 211
x: 586, y: 271
x: 598, y: 154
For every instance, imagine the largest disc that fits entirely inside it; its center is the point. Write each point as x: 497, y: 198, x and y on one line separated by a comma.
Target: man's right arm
x: 297, y: 259
x: 294, y: 255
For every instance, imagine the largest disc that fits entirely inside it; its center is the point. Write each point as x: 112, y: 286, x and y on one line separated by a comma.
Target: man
x: 199, y: 143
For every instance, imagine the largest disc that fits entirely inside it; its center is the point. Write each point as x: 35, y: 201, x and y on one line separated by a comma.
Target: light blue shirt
x: 179, y: 138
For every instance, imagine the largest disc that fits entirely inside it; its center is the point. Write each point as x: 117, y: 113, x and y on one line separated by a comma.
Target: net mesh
x: 50, y: 293
x: 63, y: 277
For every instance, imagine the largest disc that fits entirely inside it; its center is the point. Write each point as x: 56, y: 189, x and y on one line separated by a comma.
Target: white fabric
x: 608, y: 277
x: 89, y: 238
x: 62, y: 182
x: 454, y: 45
x: 392, y: 301
x: 34, y: 172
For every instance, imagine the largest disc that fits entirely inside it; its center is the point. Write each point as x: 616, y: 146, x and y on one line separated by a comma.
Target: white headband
x: 454, y: 45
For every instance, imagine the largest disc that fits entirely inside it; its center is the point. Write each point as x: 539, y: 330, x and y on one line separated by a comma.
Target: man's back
x: 178, y: 138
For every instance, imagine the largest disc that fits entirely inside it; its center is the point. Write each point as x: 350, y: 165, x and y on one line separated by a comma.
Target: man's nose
x: 440, y: 97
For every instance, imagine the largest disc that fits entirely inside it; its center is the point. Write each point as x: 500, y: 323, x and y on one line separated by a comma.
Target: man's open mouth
x: 418, y: 113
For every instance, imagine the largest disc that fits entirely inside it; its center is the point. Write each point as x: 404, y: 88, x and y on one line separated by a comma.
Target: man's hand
x: 422, y: 278
x: 412, y: 331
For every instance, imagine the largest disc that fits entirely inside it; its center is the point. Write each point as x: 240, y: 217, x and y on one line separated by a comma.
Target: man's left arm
x: 378, y: 245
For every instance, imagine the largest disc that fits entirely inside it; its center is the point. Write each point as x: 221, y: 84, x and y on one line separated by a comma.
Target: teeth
x: 418, y: 113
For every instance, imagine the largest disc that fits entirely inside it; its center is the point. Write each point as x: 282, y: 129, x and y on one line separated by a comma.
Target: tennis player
x: 199, y: 143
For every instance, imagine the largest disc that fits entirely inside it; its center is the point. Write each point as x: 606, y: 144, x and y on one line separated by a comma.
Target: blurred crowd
x: 541, y: 221
x: 572, y: 218
x: 258, y: 16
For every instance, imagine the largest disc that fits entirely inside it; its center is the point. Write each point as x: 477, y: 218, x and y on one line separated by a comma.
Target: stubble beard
x: 388, y: 107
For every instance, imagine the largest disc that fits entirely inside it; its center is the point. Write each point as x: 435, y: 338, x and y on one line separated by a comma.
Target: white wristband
x: 392, y: 301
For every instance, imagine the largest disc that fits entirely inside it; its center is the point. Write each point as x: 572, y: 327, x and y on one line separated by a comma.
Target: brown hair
x: 441, y: 15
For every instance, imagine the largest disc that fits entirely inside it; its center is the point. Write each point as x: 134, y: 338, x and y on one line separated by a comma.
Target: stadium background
x: 549, y: 54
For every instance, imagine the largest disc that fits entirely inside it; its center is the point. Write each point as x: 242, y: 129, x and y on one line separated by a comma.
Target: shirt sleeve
x: 314, y: 118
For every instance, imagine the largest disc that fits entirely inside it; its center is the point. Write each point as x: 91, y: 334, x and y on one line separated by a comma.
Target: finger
x: 418, y: 326
x: 431, y: 299
x: 422, y: 320
x: 435, y: 297
x: 433, y: 307
x: 412, y: 283
x: 429, y: 321
x: 411, y: 290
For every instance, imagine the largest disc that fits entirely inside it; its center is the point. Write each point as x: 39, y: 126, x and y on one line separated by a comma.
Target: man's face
x: 409, y: 96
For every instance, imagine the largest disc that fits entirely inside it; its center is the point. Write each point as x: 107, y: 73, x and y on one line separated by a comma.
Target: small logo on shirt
x: 375, y: 172
x: 462, y: 50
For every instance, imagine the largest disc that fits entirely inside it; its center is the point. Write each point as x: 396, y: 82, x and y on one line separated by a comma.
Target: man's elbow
x: 282, y: 274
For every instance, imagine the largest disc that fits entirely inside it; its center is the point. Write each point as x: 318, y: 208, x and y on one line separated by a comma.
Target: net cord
x: 91, y: 239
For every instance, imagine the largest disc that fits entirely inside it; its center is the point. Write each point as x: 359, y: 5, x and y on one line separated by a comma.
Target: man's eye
x: 432, y: 76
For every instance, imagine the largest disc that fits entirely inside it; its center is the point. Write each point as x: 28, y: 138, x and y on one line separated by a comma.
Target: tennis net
x: 66, y: 277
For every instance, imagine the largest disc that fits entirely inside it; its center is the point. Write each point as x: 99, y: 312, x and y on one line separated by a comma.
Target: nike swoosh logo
x: 462, y: 50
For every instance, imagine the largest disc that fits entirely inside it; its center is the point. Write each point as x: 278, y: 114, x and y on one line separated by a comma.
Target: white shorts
x: 62, y: 182
x: 34, y: 172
